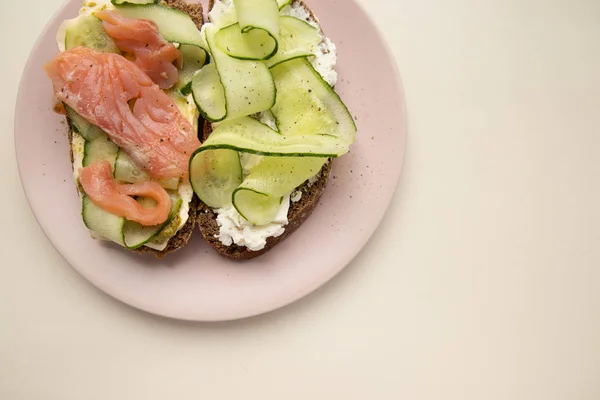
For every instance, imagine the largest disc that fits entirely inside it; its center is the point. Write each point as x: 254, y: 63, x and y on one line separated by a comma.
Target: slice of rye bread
x: 183, y: 235
x: 298, y: 213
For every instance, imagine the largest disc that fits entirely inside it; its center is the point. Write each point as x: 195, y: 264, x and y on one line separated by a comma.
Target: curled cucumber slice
x: 307, y: 104
x: 297, y: 38
x: 248, y: 86
x: 258, y: 198
x: 256, y: 34
x: 250, y: 136
x: 193, y: 59
x: 126, y: 170
x: 255, y: 44
x: 214, y: 175
x: 217, y: 177
x: 209, y: 93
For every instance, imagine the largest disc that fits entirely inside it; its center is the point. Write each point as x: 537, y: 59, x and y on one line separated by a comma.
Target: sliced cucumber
x: 209, y: 93
x: 193, y: 59
x: 80, y: 125
x: 248, y: 85
x: 173, y: 25
x: 88, y: 31
x: 101, y: 149
x: 102, y: 222
x: 249, y: 161
x: 136, y: 235
x: 283, y: 3
x: 258, y: 208
x: 255, y: 44
x: 126, y: 170
x: 297, y: 38
x: 256, y: 35
x: 258, y: 198
x: 251, y: 136
x: 306, y: 104
x: 120, y: 231
x: 137, y: 2
x: 214, y: 175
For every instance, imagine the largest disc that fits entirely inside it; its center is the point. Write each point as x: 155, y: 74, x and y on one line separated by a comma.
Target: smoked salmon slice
x: 141, y: 39
x: 115, y: 94
x: 100, y: 186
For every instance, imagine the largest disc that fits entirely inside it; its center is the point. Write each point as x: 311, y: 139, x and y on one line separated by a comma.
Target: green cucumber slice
x: 120, y: 231
x: 258, y: 198
x: 102, y: 222
x: 257, y: 14
x: 297, y: 38
x: 214, y: 175
x: 136, y: 235
x: 258, y: 208
x: 193, y: 59
x: 88, y: 31
x: 248, y: 85
x: 126, y: 170
x: 307, y: 104
x: 283, y: 3
x: 101, y: 149
x: 137, y: 2
x: 173, y: 25
x: 249, y: 161
x: 209, y: 93
x: 256, y: 34
x: 251, y: 136
x: 80, y: 125
x: 254, y: 44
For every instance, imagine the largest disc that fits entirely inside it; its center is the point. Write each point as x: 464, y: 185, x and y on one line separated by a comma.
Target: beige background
x: 482, y: 283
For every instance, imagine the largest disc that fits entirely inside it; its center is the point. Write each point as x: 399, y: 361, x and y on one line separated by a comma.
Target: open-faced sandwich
x: 273, y: 123
x: 121, y: 75
x: 134, y: 77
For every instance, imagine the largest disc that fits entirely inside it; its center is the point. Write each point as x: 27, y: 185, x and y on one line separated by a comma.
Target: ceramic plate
x: 195, y: 283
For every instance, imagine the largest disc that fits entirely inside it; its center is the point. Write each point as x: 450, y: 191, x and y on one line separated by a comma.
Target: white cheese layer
x: 236, y: 229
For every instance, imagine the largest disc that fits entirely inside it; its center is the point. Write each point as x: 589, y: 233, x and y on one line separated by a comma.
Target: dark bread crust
x: 183, y: 235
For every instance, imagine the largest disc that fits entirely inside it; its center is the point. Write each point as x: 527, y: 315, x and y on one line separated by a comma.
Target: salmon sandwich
x: 123, y: 75
x: 232, y: 125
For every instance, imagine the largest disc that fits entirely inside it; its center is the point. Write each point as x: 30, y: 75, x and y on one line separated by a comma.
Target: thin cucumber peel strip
x: 193, y: 59
x: 248, y: 86
x: 297, y: 38
x: 258, y: 198
x: 306, y: 103
x: 209, y: 93
x: 256, y: 35
x: 292, y: 161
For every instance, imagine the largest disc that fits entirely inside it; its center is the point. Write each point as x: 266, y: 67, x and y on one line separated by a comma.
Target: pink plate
x: 195, y: 283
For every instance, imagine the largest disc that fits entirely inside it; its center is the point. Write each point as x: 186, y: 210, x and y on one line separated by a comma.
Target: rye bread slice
x: 183, y: 235
x: 298, y: 213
